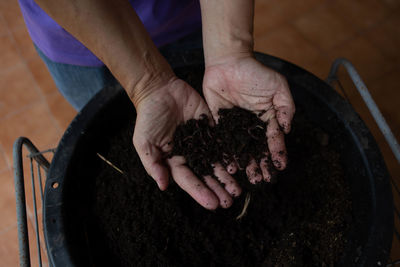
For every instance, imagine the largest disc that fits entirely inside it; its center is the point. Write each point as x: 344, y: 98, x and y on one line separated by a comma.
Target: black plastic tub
x: 65, y: 205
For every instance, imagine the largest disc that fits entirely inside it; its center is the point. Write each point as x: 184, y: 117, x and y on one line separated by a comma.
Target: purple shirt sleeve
x: 165, y: 20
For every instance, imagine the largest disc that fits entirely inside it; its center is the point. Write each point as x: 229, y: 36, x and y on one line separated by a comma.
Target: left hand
x: 160, y: 108
x: 246, y: 83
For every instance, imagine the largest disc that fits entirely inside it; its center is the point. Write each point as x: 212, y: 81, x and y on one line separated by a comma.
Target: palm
x: 250, y: 85
x: 176, y: 104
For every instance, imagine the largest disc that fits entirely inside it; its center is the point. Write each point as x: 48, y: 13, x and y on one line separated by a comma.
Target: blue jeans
x: 78, y: 84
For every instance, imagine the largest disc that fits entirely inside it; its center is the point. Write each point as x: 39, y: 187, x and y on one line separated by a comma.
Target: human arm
x: 114, y: 33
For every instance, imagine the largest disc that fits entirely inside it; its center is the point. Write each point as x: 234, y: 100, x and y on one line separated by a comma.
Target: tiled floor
x: 310, y: 33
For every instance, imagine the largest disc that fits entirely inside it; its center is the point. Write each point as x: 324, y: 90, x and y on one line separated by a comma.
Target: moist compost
x: 238, y: 137
x: 301, y: 220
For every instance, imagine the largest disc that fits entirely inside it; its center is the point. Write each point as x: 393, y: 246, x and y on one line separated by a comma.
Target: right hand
x: 244, y: 82
x: 159, y: 112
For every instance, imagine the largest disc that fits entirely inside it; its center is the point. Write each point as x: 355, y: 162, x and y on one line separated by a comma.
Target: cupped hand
x: 244, y: 82
x: 158, y: 114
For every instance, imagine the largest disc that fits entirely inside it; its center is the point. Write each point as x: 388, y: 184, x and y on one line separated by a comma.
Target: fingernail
x: 277, y: 164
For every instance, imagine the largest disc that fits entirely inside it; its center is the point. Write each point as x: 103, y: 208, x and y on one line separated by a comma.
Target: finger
x: 253, y: 172
x: 264, y: 166
x: 151, y: 158
x: 225, y: 200
x: 276, y: 144
x: 231, y: 168
x: 231, y: 186
x: 186, y: 180
x: 284, y: 115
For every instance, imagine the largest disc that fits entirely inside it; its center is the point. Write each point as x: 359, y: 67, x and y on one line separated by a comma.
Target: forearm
x: 115, y: 34
x: 227, y: 29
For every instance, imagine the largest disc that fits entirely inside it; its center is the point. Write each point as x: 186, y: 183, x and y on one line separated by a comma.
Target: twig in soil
x: 245, y: 206
x: 237, y: 163
x: 251, y: 129
x: 109, y: 163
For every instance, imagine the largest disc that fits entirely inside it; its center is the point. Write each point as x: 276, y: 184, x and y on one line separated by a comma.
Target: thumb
x: 152, y: 161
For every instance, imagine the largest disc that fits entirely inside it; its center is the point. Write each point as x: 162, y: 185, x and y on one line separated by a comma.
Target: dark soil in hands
x: 301, y: 220
x: 238, y: 137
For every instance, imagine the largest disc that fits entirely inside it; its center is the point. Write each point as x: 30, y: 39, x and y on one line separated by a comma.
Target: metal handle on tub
x: 22, y: 222
x: 369, y: 101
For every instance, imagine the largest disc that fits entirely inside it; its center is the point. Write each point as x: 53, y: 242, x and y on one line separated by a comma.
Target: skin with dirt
x: 302, y: 219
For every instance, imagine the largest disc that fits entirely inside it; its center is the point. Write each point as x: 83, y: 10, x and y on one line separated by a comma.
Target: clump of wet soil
x: 301, y: 220
x: 238, y: 137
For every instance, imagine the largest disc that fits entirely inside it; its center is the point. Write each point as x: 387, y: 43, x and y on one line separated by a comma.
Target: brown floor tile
x: 386, y: 36
x: 24, y: 43
x: 3, y: 162
x: 41, y: 75
x: 12, y: 14
x: 386, y: 93
x: 367, y: 59
x: 9, y: 247
x: 270, y: 14
x: 17, y: 90
x: 9, y: 250
x: 36, y: 123
x: 7, y: 200
x: 287, y: 43
x: 62, y: 111
x: 9, y: 56
x: 319, y: 67
x: 394, y: 5
x: 323, y: 28
x: 360, y: 13
x: 3, y: 26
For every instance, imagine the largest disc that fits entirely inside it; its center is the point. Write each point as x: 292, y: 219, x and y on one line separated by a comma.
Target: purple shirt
x: 165, y: 20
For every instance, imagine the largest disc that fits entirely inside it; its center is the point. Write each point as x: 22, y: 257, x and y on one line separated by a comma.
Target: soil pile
x: 238, y: 137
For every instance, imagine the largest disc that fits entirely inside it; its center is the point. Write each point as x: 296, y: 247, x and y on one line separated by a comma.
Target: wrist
x: 227, y: 30
x: 230, y: 45
x: 150, y: 75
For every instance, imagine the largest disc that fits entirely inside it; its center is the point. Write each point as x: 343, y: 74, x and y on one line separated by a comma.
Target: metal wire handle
x: 22, y: 222
x: 376, y: 114
x: 369, y: 101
